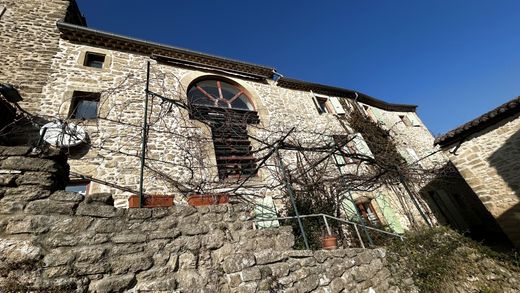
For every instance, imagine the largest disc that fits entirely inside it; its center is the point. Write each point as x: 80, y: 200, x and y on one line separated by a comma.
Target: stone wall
x: 116, y: 140
x: 49, y: 70
x: 29, y: 42
x: 52, y: 240
x: 489, y: 161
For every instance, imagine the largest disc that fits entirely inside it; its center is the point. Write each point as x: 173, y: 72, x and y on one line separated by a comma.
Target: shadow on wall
x: 506, y: 160
x: 455, y: 204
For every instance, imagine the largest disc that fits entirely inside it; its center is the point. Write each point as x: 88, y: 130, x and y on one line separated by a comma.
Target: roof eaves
x: 101, y: 38
x: 485, y: 120
x: 342, y: 92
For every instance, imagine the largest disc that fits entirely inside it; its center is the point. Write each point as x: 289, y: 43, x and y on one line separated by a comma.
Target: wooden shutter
x: 404, y: 153
x: 316, y: 104
x: 361, y: 145
x: 340, y: 160
x: 338, y: 108
x: 389, y: 214
x: 350, y: 210
x: 414, y: 120
x: 378, y: 115
x: 412, y: 154
x: 266, y: 209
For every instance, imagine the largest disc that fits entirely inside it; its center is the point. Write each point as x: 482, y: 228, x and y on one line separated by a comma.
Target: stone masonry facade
x: 29, y: 29
x: 180, y: 154
x: 57, y: 241
x: 489, y: 162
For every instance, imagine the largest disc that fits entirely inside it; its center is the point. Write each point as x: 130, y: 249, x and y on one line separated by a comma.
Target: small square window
x: 94, y: 60
x: 84, y: 105
x: 80, y: 186
x: 322, y: 105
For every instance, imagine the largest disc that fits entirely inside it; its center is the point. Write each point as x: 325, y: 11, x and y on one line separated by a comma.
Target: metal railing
x: 327, y: 226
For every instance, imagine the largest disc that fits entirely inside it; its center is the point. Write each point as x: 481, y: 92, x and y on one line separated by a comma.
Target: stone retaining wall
x: 60, y: 241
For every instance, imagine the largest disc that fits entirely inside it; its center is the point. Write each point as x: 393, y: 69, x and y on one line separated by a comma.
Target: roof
x: 77, y: 33
x: 180, y: 56
x: 483, y: 121
x: 341, y: 92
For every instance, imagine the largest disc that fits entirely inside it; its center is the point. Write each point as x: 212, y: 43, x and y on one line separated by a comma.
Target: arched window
x: 218, y: 93
x: 227, y: 109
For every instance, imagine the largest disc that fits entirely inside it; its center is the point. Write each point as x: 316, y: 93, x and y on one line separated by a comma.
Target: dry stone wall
x: 52, y: 240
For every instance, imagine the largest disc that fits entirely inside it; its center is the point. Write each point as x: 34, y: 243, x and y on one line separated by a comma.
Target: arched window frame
x: 219, y: 98
x: 230, y: 139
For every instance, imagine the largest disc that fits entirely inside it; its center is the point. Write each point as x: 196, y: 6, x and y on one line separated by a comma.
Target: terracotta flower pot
x: 151, y: 201
x: 207, y: 199
x: 329, y: 242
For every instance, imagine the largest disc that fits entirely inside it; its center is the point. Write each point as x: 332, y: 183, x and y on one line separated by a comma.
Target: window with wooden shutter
x: 389, y: 214
x: 321, y: 103
x: 410, y: 156
x: 378, y: 115
x: 352, y: 144
x: 346, y: 148
x: 361, y: 145
x: 414, y: 120
x: 367, y: 211
x: 336, y: 105
x: 405, y: 120
x: 266, y: 209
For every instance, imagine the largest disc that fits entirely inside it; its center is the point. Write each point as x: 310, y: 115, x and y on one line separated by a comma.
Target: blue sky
x: 455, y: 59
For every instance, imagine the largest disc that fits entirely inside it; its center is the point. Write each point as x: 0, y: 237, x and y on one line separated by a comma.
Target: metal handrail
x: 325, y: 216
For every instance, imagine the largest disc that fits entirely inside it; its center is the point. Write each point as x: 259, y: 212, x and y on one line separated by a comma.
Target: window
x: 228, y: 110
x: 94, y: 60
x: 405, y: 120
x: 410, y: 156
x: 322, y: 105
x: 342, y: 156
x: 216, y: 93
x: 410, y: 120
x: 328, y: 104
x: 84, y: 105
x: 78, y: 186
x: 368, y: 212
x: 414, y: 120
x: 336, y: 105
x: 352, y: 144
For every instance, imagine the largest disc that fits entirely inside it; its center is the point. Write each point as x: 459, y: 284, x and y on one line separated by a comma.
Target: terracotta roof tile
x: 501, y: 112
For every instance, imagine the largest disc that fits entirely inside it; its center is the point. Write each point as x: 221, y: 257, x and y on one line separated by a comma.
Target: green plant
x: 439, y: 258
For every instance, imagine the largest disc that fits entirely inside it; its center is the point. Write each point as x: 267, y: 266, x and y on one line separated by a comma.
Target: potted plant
x: 208, y: 199
x: 329, y: 242
x: 151, y: 201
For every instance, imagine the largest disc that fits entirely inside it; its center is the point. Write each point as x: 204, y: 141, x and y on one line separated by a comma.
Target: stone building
x: 214, y: 123
x: 486, y: 151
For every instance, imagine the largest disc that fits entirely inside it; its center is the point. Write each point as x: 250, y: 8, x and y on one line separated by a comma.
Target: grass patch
x: 440, y: 260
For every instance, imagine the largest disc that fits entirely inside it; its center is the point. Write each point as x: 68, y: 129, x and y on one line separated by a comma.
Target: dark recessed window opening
x: 94, y: 60
x: 322, y: 105
x: 84, y: 105
x: 80, y: 186
x: 368, y: 212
